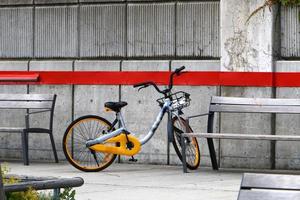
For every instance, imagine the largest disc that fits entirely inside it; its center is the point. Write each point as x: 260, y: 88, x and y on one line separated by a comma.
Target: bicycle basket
x: 179, y: 100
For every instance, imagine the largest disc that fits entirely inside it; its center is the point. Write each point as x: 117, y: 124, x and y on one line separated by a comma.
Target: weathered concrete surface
x: 287, y: 153
x: 40, y: 145
x: 147, y: 182
x: 246, y: 46
x: 200, y: 99
x: 245, y: 153
x: 10, y: 143
x: 90, y: 99
x: 142, y: 110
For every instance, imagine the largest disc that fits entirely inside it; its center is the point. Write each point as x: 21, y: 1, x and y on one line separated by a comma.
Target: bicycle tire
x: 192, y: 147
x: 78, y: 132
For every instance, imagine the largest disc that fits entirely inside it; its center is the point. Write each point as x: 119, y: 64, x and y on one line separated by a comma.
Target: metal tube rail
x: 40, y: 183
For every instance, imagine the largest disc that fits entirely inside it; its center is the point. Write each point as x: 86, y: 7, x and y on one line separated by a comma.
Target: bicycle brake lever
x: 142, y: 87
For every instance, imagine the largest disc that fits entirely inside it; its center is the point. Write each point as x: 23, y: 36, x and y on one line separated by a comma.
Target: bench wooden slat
x: 271, y: 181
x: 254, y: 101
x: 25, y: 105
x: 24, y: 97
x: 268, y: 195
x: 244, y: 136
x: 255, y: 109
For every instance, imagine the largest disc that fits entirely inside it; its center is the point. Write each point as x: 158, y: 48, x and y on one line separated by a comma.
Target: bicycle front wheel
x: 74, y: 143
x: 192, y: 148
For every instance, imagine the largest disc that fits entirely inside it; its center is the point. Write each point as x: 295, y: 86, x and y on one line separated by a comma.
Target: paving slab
x: 136, y: 181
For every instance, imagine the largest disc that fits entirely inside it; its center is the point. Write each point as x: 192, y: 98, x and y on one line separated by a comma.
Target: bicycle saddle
x: 115, y: 106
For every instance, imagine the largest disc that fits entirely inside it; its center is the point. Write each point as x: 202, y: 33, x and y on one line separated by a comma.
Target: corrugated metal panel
x: 15, y: 2
x: 56, y: 31
x: 198, y: 29
x: 54, y: 1
x: 151, y: 30
x: 103, y: 31
x: 290, y: 31
x: 16, y: 32
x: 90, y: 1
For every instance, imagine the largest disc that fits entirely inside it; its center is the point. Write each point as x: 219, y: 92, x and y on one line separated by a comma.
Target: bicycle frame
x: 165, y: 108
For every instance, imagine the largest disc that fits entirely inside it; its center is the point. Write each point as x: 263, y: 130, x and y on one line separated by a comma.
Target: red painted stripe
x: 209, y: 78
x: 19, y: 77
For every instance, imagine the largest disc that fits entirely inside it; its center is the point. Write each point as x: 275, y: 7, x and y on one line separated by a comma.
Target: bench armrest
x: 40, y: 111
x: 199, y: 115
x: 34, y: 112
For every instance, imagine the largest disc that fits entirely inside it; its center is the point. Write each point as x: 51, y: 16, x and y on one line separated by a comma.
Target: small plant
x: 68, y: 194
x: 31, y: 194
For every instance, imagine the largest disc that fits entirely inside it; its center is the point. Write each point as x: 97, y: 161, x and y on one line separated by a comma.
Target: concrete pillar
x: 247, y: 47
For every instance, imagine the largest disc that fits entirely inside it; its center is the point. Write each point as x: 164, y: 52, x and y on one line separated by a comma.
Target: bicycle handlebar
x: 164, y: 92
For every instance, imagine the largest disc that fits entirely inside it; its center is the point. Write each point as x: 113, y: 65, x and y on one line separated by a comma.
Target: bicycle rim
x: 192, y: 147
x: 74, y: 144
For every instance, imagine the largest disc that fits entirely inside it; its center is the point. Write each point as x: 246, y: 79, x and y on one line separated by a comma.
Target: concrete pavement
x: 146, y: 182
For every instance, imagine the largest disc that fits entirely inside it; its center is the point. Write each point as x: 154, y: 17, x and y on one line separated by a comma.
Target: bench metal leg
x: 56, y: 193
x: 53, y: 147
x: 183, y: 149
x: 25, y: 147
x: 212, y: 154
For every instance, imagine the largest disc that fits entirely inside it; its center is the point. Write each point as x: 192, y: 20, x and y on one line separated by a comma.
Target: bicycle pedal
x: 133, y: 160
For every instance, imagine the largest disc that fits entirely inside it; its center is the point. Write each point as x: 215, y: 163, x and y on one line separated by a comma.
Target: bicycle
x: 91, y: 143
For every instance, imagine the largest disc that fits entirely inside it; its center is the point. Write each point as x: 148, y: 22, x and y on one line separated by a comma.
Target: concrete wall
x: 104, y: 35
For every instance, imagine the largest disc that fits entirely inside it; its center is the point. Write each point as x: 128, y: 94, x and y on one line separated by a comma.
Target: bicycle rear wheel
x: 192, y: 148
x: 74, y: 143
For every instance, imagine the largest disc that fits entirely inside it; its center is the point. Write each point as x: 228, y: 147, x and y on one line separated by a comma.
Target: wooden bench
x: 269, y: 187
x: 33, y: 104
x: 242, y: 105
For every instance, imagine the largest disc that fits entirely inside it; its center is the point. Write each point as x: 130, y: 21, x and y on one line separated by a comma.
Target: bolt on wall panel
x: 56, y: 31
x: 290, y: 31
x: 151, y: 30
x: 102, y: 30
x: 197, y: 29
x: 16, y: 33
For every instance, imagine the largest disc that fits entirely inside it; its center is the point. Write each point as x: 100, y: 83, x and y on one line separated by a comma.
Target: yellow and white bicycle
x: 91, y: 143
